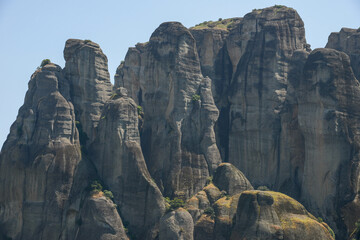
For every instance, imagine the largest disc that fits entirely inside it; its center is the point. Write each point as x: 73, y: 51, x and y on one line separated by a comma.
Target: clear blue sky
x: 33, y: 30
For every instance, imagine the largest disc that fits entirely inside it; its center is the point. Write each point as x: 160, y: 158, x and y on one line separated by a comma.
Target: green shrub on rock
x: 174, y: 204
x: 108, y: 194
x: 195, y: 98
x: 45, y: 62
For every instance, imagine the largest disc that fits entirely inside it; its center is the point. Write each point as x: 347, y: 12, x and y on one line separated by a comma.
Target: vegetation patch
x: 195, y: 98
x: 225, y: 24
x: 279, y: 6
x: 173, y: 204
x: 140, y: 111
x: 96, y: 190
x: 45, y: 62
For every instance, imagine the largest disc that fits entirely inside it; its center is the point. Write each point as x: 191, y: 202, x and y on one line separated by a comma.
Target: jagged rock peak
x: 87, y: 71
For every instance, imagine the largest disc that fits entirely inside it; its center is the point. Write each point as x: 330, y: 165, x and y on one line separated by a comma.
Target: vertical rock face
x: 215, y: 63
x: 210, y: 43
x: 178, y: 138
x: 265, y: 42
x: 119, y: 161
x: 291, y: 167
x: 329, y: 119
x: 38, y: 160
x: 87, y: 71
x: 348, y: 41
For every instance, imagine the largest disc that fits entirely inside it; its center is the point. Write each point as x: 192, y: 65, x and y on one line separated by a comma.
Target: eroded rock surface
x: 272, y: 215
x: 87, y: 71
x: 263, y: 44
x: 230, y: 179
x: 329, y: 120
x: 176, y: 224
x: 348, y: 41
x: 38, y: 160
x: 100, y: 220
x: 178, y: 140
x: 119, y: 161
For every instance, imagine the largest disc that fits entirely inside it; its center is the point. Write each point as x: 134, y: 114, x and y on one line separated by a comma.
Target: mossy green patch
x: 224, y: 24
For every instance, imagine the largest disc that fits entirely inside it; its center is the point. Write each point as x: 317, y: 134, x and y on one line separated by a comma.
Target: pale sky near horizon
x: 34, y: 30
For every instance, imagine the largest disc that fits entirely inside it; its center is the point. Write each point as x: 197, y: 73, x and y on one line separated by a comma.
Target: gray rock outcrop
x: 178, y: 140
x: 264, y: 42
x: 347, y: 41
x: 329, y: 120
x: 100, y: 220
x: 230, y: 179
x: 87, y: 71
x: 119, y: 161
x: 176, y: 224
x: 38, y: 160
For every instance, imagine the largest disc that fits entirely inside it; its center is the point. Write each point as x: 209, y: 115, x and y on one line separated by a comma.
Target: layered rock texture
x: 90, y: 86
x: 201, y: 116
x: 38, y: 160
x: 178, y: 139
x: 118, y: 158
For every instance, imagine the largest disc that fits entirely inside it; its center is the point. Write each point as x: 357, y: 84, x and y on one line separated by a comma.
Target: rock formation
x: 38, y: 160
x: 272, y: 215
x: 118, y: 158
x: 347, y: 41
x: 99, y: 220
x: 268, y: 38
x: 178, y: 139
x: 201, y: 115
x: 176, y: 224
x: 329, y: 93
x: 214, y: 207
x: 87, y: 71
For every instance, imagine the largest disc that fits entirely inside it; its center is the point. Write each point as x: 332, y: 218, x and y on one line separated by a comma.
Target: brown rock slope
x: 178, y: 140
